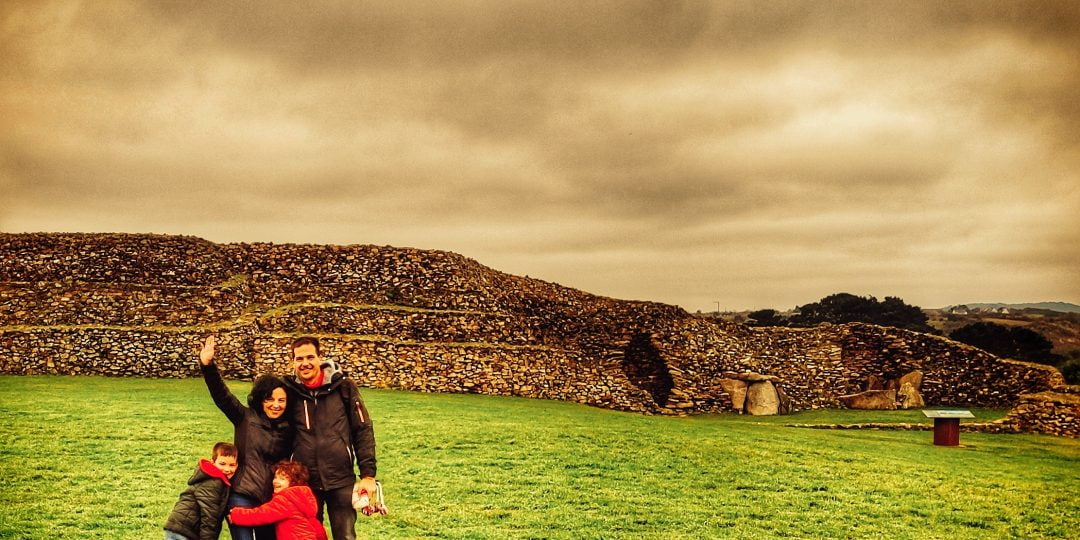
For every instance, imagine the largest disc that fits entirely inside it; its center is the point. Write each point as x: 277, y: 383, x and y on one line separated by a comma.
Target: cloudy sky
x: 740, y: 154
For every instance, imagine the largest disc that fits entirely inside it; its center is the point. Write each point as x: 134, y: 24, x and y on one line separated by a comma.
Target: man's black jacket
x: 333, y: 429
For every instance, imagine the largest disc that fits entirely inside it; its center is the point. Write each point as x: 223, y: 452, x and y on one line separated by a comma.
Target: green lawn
x: 89, y: 457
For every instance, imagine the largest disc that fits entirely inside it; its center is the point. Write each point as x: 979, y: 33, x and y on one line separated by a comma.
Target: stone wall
x: 1053, y: 412
x: 408, y: 325
x: 104, y: 304
x: 815, y: 366
x: 103, y: 351
x: 244, y: 352
x: 149, y: 259
x: 138, y: 305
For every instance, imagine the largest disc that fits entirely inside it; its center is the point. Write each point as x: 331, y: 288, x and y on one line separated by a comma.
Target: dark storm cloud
x: 677, y: 151
x: 552, y: 35
x: 419, y: 35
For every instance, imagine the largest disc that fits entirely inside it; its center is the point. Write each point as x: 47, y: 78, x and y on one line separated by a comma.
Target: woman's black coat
x: 260, y: 441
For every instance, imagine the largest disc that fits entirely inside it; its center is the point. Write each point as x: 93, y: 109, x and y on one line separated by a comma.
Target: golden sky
x: 755, y: 154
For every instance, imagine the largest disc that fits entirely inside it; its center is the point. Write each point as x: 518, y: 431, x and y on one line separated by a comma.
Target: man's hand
x: 366, y: 483
x: 206, y: 356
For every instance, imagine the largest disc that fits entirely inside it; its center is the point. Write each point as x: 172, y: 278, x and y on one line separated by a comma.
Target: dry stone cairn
x: 138, y: 306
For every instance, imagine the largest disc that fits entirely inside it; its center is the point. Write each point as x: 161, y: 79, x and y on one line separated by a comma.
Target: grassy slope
x: 91, y: 457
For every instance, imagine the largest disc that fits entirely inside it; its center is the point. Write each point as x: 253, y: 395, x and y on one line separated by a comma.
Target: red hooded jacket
x: 292, y: 511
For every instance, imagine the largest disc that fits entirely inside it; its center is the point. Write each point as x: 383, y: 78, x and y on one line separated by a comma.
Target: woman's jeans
x: 265, y: 532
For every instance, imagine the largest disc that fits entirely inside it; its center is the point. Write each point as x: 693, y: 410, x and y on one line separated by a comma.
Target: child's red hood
x: 211, y: 470
x: 302, y: 498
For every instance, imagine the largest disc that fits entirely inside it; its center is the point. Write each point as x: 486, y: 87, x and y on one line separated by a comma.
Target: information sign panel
x: 948, y: 414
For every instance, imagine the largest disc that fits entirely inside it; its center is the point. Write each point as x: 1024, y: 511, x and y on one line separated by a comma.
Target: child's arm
x: 219, y: 392
x: 275, y: 510
x: 212, y: 497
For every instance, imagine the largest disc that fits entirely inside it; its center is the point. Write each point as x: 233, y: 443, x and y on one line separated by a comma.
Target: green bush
x: 843, y: 308
x: 766, y: 317
x: 1071, y: 370
x: 1008, y: 342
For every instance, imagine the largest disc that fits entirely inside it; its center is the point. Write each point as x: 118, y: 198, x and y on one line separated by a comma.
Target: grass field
x: 88, y: 457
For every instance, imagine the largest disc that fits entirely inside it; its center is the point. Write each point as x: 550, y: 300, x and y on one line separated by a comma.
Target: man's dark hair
x: 306, y: 340
x: 295, y: 471
x: 261, y: 388
x: 223, y: 449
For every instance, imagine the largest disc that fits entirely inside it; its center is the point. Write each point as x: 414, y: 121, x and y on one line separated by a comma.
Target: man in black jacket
x: 332, y: 429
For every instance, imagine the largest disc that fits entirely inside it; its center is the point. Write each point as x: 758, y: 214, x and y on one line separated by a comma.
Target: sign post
x: 947, y: 426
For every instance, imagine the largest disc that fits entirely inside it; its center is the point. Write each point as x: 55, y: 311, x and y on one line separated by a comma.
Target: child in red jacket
x: 292, y: 510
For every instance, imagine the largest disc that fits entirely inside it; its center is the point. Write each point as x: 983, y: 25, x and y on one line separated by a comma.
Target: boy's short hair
x: 295, y: 471
x: 223, y: 449
x: 306, y: 340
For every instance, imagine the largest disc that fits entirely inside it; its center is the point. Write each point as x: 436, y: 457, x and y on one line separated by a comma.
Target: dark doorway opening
x: 645, y: 369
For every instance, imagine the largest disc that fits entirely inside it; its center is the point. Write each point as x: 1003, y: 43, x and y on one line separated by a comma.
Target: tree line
x: 843, y: 308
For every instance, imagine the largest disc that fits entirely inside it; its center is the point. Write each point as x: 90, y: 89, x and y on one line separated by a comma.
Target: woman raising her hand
x: 261, y: 433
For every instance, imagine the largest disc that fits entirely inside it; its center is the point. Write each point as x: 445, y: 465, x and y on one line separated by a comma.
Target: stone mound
x: 139, y: 305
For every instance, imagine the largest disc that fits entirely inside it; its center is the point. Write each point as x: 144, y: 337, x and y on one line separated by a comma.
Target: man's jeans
x: 339, y: 507
x: 265, y: 532
x: 169, y: 535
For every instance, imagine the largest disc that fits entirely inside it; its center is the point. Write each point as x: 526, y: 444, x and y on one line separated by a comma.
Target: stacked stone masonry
x: 138, y: 305
x: 1053, y: 412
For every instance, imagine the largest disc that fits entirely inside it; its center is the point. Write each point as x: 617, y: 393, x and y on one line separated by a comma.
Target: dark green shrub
x: 842, y: 308
x: 766, y: 317
x: 1071, y: 370
x: 1008, y: 342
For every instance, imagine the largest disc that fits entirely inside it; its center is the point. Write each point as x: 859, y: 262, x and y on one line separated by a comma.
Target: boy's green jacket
x: 198, y: 513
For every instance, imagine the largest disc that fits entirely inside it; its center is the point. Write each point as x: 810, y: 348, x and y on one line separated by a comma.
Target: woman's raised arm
x: 223, y: 398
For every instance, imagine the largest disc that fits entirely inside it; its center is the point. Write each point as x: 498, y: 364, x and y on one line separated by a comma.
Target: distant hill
x: 1062, y: 307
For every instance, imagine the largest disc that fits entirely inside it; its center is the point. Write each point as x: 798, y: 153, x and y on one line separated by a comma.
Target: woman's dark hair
x: 295, y: 471
x: 261, y: 388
